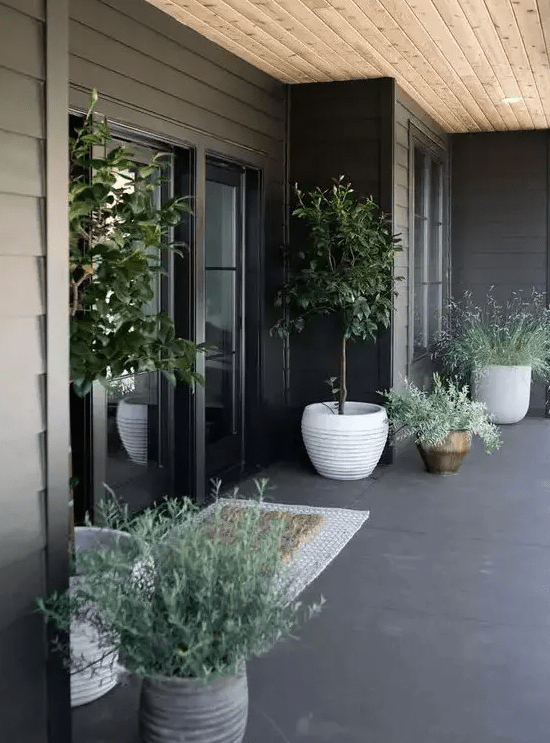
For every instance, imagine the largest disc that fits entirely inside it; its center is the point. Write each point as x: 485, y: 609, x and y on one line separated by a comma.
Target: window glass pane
x: 419, y: 316
x: 434, y: 309
x: 220, y: 396
x: 133, y: 469
x: 220, y: 309
x: 220, y: 237
x: 419, y: 182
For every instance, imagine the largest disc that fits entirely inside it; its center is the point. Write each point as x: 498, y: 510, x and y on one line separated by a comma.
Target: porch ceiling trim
x: 473, y: 65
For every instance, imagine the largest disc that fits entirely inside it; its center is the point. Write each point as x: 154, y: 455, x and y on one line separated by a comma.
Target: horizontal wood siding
x: 500, y: 217
x: 128, y: 52
x: 22, y: 364
x: 406, y: 112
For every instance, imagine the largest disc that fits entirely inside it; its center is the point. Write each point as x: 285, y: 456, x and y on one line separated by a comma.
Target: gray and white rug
x: 339, y: 527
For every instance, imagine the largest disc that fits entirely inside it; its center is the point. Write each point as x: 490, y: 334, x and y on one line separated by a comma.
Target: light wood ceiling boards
x: 473, y: 65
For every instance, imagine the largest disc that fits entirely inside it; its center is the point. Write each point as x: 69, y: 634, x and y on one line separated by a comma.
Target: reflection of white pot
x: 345, y: 447
x: 505, y: 390
x: 131, y: 419
x: 86, y: 646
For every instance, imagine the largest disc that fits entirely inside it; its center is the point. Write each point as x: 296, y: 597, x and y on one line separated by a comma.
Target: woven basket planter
x: 344, y: 447
x: 173, y: 710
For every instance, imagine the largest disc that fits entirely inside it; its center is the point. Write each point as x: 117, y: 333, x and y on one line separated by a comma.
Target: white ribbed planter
x: 89, y: 685
x: 344, y: 447
x: 505, y: 390
x: 132, y: 419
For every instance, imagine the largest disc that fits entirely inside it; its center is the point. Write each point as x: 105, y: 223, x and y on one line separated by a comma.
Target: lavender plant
x: 175, y: 601
x: 430, y: 415
x: 516, y: 333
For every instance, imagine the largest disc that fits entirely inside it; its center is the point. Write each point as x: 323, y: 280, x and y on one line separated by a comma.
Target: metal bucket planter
x: 446, y: 456
x: 173, y: 710
x: 505, y: 390
x: 344, y: 447
x: 92, y: 683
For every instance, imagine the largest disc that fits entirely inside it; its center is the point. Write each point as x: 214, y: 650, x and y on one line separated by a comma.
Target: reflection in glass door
x: 224, y: 292
x: 132, y: 428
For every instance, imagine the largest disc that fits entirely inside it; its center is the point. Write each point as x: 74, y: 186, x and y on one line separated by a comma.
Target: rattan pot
x: 173, y: 710
x: 446, y: 456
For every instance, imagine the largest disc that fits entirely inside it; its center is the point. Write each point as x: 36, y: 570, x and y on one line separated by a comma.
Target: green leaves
x: 429, y: 415
x: 347, y: 266
x: 118, y: 234
x: 178, y: 598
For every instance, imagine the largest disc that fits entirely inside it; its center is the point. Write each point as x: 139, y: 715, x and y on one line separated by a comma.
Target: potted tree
x: 185, y: 607
x: 346, y: 269
x: 500, y: 347
x: 117, y: 234
x: 442, y: 421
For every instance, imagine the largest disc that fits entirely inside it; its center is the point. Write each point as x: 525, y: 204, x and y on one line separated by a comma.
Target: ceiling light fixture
x: 512, y: 100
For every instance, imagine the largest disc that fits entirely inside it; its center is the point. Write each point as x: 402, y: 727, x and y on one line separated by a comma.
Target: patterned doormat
x: 337, y: 527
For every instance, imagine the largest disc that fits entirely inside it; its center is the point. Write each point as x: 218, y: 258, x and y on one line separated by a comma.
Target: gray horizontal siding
x: 34, y: 8
x: 22, y: 406
x: 21, y: 42
x: 151, y: 63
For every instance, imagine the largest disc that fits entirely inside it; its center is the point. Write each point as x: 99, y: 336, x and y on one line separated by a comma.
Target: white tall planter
x: 91, y: 684
x: 132, y: 419
x: 344, y: 447
x: 505, y: 390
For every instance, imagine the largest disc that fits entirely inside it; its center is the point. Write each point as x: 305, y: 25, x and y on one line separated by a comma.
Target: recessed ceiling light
x: 512, y: 100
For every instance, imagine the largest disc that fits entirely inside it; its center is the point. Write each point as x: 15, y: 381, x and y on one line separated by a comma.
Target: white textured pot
x: 505, y: 390
x: 131, y: 420
x: 344, y: 447
x: 91, y: 684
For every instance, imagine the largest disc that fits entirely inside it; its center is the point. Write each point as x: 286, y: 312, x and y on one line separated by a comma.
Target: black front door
x: 224, y: 333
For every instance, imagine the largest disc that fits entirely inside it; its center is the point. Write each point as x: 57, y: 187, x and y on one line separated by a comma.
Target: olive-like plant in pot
x: 119, y: 236
x: 442, y: 421
x: 345, y: 269
x: 185, y: 607
x: 500, y: 347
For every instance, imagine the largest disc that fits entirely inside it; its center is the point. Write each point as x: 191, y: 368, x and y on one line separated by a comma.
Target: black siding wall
x: 500, y: 196
x: 340, y: 128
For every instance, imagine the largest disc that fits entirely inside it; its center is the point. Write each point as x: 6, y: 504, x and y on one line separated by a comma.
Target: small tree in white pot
x: 500, y: 346
x: 347, y: 270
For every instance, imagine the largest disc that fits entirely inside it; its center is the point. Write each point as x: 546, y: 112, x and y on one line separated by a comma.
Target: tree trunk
x: 342, y: 395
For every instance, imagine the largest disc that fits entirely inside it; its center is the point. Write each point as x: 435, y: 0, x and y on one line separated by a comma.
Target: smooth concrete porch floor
x: 437, y: 622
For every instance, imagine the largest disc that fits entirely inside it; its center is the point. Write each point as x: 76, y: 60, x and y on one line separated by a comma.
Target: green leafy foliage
x: 176, y: 601
x: 516, y: 333
x: 429, y: 415
x: 117, y: 236
x: 346, y: 268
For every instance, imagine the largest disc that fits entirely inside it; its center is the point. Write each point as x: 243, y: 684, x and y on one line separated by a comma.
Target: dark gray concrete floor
x: 437, y: 622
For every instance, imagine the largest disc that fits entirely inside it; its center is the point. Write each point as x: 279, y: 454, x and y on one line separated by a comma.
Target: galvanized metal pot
x: 173, y: 710
x: 446, y: 456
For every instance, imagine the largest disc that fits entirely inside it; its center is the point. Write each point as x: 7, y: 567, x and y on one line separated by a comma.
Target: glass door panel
x: 223, y: 332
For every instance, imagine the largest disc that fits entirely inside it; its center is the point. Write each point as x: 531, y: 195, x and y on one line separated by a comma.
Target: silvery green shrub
x: 429, y: 415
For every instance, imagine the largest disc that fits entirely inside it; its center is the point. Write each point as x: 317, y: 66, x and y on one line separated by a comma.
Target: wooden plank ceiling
x: 473, y: 65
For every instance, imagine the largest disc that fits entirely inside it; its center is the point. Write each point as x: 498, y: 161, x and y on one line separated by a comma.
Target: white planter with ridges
x: 344, y: 447
x: 132, y: 419
x: 505, y: 390
x: 86, y: 646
